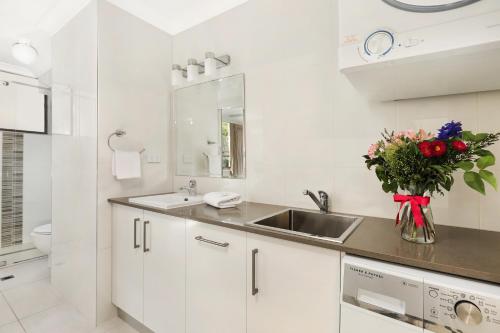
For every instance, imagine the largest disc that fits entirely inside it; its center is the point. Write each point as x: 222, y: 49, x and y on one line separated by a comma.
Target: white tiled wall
x: 134, y: 61
x: 74, y: 163
x: 116, y: 68
x: 307, y: 127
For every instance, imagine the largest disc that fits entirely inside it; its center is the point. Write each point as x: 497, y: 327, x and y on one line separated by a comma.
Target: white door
x: 164, y: 273
x: 127, y: 260
x: 216, y: 279
x: 292, y: 288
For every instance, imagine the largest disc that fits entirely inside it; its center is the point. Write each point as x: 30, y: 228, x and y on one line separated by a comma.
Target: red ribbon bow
x: 416, y: 202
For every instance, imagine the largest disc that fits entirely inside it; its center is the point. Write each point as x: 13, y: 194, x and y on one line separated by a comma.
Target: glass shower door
x: 25, y: 193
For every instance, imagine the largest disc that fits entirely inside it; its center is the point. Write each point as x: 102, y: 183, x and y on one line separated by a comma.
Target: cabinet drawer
x: 216, y: 279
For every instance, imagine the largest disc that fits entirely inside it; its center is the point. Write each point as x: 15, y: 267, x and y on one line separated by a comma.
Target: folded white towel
x: 126, y: 164
x: 222, y: 199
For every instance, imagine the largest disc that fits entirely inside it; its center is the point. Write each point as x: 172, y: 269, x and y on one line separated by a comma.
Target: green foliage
x: 465, y: 165
x: 474, y: 180
x: 485, y: 161
x: 489, y: 177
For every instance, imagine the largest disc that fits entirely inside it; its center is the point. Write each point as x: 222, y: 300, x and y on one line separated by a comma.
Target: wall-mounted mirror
x: 209, y: 121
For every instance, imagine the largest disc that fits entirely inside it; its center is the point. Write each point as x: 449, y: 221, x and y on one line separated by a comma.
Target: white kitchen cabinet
x: 128, y: 260
x: 215, y: 280
x: 175, y: 275
x: 164, y: 273
x: 296, y: 287
x: 149, y: 268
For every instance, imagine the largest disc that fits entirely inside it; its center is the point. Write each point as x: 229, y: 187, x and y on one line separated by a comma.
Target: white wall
x: 36, y: 182
x: 74, y: 161
x: 307, y: 127
x: 134, y: 84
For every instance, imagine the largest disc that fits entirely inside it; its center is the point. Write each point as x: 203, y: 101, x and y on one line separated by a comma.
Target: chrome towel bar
x: 119, y: 133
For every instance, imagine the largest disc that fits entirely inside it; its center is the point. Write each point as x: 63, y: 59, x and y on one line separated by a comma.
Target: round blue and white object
x: 379, y: 43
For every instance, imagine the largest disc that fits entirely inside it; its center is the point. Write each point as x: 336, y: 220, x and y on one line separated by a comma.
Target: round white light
x: 24, y: 52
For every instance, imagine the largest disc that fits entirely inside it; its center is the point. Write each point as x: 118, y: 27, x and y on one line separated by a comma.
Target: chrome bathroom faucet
x: 190, y: 188
x: 322, y: 203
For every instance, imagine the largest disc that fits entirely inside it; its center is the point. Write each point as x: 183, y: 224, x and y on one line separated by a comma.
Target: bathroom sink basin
x: 166, y: 201
x: 332, y: 227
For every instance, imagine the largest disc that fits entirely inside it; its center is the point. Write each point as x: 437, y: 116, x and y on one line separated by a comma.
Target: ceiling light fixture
x: 24, y: 52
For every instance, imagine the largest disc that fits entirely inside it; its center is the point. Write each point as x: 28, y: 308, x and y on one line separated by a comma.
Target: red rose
x: 459, y: 146
x: 425, y: 149
x: 438, y: 148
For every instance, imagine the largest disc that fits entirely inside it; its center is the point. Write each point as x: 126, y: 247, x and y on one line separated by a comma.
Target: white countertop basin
x: 166, y: 201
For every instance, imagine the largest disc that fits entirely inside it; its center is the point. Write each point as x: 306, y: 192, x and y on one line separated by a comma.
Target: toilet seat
x: 45, y: 229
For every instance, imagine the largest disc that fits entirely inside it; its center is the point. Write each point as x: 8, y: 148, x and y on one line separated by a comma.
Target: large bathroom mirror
x: 209, y: 121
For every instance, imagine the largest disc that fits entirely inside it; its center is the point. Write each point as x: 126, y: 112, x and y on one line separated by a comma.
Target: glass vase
x: 425, y: 234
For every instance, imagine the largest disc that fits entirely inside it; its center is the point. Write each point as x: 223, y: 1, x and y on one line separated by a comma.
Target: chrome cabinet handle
x: 136, y: 246
x: 144, y: 235
x: 255, y: 290
x: 201, y: 239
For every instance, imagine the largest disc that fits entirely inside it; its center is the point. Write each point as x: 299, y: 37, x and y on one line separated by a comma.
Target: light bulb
x: 24, y: 52
x: 193, y: 71
x: 177, y: 77
x: 210, y: 64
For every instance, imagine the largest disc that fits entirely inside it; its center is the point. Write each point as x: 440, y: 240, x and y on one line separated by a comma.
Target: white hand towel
x: 126, y: 164
x: 214, y: 165
x: 222, y: 199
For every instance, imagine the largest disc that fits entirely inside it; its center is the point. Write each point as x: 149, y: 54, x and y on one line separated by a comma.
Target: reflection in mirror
x: 210, y: 128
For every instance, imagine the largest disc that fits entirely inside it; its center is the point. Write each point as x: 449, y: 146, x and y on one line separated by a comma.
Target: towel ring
x: 119, y: 133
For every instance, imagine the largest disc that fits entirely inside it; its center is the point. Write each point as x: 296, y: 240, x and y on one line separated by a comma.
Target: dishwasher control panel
x: 456, y: 311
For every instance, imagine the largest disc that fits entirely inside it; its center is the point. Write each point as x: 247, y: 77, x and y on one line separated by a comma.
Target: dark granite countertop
x: 464, y: 252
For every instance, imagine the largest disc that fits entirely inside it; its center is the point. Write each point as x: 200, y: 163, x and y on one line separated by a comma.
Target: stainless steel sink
x: 331, y: 227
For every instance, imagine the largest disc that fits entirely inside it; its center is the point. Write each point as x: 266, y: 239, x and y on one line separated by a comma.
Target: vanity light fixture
x: 193, y: 70
x: 208, y: 66
x: 177, y: 75
x: 24, y: 52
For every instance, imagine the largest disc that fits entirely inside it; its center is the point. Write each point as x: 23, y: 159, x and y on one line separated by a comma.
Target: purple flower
x: 450, y: 130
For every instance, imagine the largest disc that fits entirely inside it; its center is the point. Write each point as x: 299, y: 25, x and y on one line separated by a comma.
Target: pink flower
x: 423, y: 135
x: 398, y: 135
x: 410, y: 134
x: 372, y: 150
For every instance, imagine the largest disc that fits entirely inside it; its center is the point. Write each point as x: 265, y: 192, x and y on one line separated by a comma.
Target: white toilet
x: 42, y: 238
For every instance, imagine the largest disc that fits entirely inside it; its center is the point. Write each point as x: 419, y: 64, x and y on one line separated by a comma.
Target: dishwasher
x: 379, y: 297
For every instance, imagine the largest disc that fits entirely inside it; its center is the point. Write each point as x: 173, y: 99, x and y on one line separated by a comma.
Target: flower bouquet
x: 416, y: 165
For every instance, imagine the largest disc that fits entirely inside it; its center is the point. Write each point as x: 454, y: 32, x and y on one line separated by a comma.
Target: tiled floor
x: 29, y: 304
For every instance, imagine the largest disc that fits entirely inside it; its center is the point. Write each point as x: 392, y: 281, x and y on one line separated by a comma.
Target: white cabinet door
x: 127, y: 258
x: 164, y: 273
x: 296, y: 287
x: 216, y: 279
